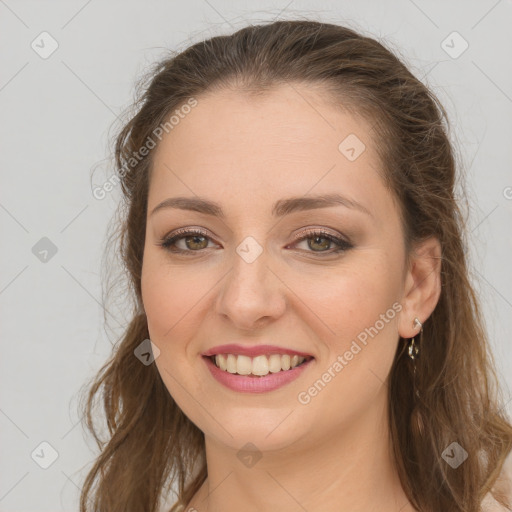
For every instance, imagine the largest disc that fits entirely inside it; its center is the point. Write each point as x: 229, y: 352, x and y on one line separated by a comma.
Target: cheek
x: 169, y: 296
x: 170, y: 300
x: 361, y: 307
x: 355, y: 297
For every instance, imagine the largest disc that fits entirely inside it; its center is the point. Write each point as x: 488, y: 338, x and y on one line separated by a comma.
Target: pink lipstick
x: 272, y: 367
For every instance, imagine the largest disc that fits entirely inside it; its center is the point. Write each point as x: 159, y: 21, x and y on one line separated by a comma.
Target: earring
x: 414, y: 350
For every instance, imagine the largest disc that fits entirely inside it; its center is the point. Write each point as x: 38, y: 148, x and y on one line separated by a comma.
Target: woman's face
x: 261, y: 268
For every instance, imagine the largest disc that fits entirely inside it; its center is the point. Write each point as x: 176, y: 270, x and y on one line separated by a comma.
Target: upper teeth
x: 259, y: 365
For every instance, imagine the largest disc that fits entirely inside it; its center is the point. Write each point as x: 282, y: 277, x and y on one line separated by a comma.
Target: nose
x: 251, y: 294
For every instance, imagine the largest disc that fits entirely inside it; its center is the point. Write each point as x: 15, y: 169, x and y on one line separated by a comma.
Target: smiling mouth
x: 258, y: 366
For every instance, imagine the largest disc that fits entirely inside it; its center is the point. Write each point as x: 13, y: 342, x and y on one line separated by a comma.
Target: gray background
x: 56, y: 116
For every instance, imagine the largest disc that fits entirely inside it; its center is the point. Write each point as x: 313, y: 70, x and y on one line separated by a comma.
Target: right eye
x: 194, y: 240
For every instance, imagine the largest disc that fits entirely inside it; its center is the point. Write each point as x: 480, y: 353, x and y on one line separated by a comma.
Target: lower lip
x: 246, y: 384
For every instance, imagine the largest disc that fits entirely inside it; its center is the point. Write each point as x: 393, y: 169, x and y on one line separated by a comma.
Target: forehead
x: 290, y: 138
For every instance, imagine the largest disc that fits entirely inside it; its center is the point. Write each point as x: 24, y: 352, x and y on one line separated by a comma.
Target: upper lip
x: 252, y: 351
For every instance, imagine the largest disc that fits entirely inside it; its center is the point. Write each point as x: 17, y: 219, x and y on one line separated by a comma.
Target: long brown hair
x: 151, y: 445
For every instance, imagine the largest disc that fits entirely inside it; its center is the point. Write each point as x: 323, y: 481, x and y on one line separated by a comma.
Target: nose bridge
x: 250, y: 269
x: 251, y: 291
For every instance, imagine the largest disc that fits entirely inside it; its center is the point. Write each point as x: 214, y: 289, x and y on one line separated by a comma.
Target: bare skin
x: 333, y: 452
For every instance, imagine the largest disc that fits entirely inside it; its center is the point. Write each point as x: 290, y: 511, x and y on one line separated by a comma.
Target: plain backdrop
x: 67, y: 70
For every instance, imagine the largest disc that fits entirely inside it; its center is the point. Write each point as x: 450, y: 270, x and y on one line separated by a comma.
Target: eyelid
x: 186, y: 231
x: 317, y: 230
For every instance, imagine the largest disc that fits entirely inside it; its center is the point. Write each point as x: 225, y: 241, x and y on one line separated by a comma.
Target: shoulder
x: 503, y: 485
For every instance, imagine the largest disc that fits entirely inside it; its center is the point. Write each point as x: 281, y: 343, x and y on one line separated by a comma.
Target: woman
x: 296, y: 258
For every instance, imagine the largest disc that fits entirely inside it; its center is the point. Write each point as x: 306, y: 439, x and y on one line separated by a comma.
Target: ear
x: 422, y: 286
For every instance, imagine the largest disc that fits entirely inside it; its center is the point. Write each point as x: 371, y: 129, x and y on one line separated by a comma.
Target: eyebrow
x: 279, y: 209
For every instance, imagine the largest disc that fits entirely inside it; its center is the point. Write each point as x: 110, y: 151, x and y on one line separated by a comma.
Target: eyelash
x: 343, y: 245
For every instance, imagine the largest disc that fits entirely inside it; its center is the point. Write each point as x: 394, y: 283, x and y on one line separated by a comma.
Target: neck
x: 350, y: 470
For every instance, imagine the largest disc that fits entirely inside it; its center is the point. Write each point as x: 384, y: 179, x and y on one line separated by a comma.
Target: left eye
x: 319, y: 241
x: 196, y: 241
